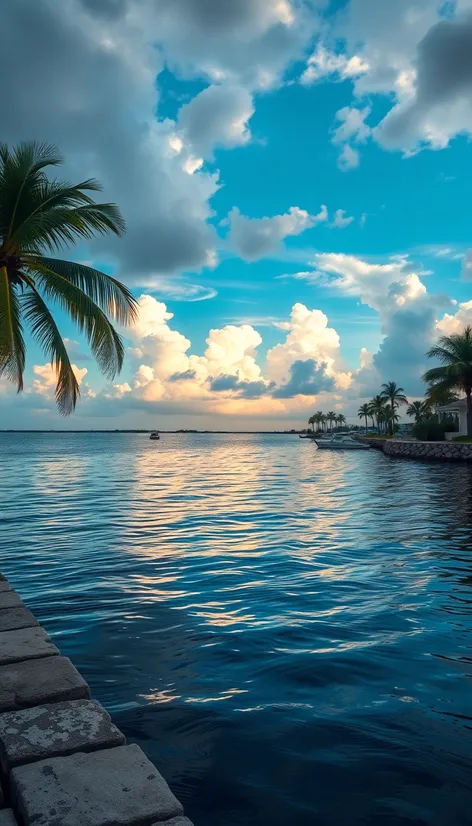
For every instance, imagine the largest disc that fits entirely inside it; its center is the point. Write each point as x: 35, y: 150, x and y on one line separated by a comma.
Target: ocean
x: 286, y: 632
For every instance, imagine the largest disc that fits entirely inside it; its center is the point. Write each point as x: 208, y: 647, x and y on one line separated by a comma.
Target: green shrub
x: 430, y: 430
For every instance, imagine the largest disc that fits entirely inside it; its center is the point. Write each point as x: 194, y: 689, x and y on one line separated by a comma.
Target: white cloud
x: 455, y: 322
x: 349, y: 158
x: 45, y: 383
x: 308, y: 337
x: 341, y: 219
x: 217, y: 117
x: 253, y: 238
x: 352, y: 128
x: 323, y: 63
x: 407, y: 313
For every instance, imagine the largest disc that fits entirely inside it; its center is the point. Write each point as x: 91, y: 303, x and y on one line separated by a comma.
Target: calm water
x: 285, y: 632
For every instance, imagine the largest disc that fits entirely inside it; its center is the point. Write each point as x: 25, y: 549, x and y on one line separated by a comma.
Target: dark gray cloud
x: 245, y: 389
x: 409, y: 332
x: 442, y: 104
x: 70, y: 85
x: 187, y: 375
x: 307, y: 378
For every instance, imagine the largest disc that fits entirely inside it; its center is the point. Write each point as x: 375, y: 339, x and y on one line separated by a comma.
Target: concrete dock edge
x: 62, y: 760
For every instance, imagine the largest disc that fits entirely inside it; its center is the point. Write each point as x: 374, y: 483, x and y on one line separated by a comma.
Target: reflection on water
x: 285, y: 632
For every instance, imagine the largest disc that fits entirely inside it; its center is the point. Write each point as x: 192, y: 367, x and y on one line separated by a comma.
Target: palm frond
x: 113, y: 297
x: 45, y: 331
x: 12, y: 346
x: 60, y: 214
x: 20, y: 172
x: 105, y: 343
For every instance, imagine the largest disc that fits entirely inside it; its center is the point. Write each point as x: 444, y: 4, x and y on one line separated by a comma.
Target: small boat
x: 341, y: 442
x: 154, y: 435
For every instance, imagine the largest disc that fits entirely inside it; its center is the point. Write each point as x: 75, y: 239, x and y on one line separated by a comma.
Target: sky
x: 295, y: 179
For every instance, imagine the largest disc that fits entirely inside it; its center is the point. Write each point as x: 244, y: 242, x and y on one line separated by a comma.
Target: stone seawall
x: 435, y: 451
x: 62, y: 760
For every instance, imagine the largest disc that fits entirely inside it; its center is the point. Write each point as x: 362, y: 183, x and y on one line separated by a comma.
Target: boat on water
x: 154, y: 435
x: 341, y: 442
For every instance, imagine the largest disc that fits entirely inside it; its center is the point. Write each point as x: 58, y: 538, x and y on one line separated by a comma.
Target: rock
x: 7, y: 818
x: 13, y: 618
x: 4, y: 585
x: 55, y: 730
x: 116, y: 787
x: 9, y: 599
x: 25, y: 644
x: 34, y: 682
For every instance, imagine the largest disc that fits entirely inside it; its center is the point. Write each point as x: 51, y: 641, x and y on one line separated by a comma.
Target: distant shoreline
x: 181, y: 432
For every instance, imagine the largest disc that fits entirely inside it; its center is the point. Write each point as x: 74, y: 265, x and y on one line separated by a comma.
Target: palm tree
x: 455, y: 354
x: 396, y: 396
x: 312, y: 421
x: 38, y: 216
x: 319, y: 418
x: 420, y: 410
x: 364, y: 413
x: 331, y: 417
x: 377, y: 406
x: 390, y: 417
x: 437, y: 395
x: 323, y: 421
x: 341, y: 419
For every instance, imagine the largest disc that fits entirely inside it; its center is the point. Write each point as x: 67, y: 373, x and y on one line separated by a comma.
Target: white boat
x: 341, y: 442
x: 154, y: 435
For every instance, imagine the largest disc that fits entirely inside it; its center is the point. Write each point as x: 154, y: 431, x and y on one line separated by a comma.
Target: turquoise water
x: 285, y: 632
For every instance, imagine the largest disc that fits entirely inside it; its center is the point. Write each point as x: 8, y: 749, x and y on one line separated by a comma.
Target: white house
x: 458, y: 411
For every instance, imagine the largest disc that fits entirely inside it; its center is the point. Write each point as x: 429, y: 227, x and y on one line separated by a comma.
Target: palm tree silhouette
x: 39, y: 216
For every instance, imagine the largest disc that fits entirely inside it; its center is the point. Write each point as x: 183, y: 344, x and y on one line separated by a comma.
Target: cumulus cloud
x: 253, y: 238
x: 441, y: 105
x: 351, y: 128
x: 218, y: 116
x: 308, y: 338
x: 324, y: 63
x: 349, y: 158
x: 408, y: 314
x: 341, y: 219
x: 46, y: 379
x: 452, y: 323
x: 101, y: 59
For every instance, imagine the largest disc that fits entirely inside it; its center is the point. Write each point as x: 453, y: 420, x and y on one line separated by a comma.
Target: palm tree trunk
x: 366, y: 425
x: 468, y: 393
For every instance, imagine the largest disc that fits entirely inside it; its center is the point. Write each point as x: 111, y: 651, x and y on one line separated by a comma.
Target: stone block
x: 13, y: 618
x: 116, y: 787
x: 4, y: 585
x: 9, y: 599
x: 55, y: 730
x: 35, y: 682
x: 176, y: 821
x: 7, y: 818
x: 25, y: 644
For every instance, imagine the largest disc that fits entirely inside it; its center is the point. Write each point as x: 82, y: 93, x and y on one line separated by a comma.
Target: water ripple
x: 284, y: 631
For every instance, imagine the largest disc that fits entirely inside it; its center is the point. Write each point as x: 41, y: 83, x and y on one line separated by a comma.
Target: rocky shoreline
x: 434, y: 451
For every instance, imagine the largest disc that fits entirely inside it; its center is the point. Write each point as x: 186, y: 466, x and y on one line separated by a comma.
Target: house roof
x: 457, y: 405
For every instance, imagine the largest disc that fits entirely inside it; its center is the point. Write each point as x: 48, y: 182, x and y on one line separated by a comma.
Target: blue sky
x: 295, y: 178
